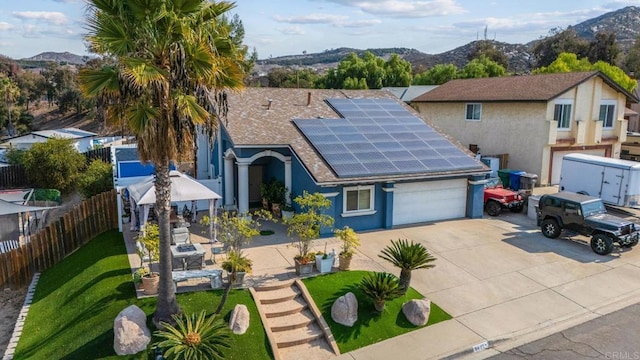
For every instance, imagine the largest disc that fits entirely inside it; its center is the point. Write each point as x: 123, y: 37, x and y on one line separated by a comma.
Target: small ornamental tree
x: 54, y: 164
x: 306, y: 224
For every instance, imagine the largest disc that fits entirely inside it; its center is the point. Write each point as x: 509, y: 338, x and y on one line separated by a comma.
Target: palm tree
x: 407, y: 257
x: 172, y: 60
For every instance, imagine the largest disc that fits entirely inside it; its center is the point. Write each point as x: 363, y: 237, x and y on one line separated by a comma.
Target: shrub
x: 97, y: 179
x: 54, y: 164
x: 380, y: 287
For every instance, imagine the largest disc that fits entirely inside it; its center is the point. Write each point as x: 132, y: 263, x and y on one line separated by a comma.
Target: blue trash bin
x: 514, y: 179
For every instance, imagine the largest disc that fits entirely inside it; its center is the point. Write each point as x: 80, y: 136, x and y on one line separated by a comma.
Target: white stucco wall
x: 517, y: 129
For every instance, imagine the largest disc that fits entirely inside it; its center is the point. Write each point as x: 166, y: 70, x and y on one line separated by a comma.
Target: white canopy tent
x: 183, y: 188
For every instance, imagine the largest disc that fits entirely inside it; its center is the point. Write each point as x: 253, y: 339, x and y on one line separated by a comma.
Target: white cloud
x: 293, y: 30
x: 4, y: 26
x: 51, y: 17
x: 310, y: 19
x: 405, y: 9
x: 359, y: 23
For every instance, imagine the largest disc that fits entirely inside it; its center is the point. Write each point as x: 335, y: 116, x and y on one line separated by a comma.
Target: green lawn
x: 371, y: 326
x: 77, y: 300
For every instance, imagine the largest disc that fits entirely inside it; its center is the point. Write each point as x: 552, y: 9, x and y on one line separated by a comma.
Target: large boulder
x: 131, y: 334
x: 345, y: 309
x: 417, y: 311
x: 239, y: 322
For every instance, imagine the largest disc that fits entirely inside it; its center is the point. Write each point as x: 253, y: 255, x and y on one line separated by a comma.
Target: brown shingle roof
x: 511, y: 88
x: 251, y: 121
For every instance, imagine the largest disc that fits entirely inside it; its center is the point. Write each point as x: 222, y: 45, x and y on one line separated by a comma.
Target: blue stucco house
x: 374, y: 157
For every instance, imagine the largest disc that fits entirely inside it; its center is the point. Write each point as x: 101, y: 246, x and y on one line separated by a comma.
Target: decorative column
x: 243, y: 187
x: 287, y: 180
x: 228, y: 181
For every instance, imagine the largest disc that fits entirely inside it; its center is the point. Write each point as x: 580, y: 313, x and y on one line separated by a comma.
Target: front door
x: 255, y: 181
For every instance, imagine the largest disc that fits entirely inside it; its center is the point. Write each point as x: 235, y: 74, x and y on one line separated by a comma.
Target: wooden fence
x: 103, y: 154
x: 59, y: 239
x: 13, y: 176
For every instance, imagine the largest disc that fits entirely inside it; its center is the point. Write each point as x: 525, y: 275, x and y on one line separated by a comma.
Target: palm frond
x: 407, y: 256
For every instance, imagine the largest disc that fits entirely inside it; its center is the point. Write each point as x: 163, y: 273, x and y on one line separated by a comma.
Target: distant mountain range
x: 624, y: 22
x: 63, y: 57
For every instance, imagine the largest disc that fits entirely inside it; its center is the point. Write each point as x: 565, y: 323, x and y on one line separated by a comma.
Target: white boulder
x: 131, y: 334
x: 417, y: 311
x: 239, y: 322
x: 344, y: 310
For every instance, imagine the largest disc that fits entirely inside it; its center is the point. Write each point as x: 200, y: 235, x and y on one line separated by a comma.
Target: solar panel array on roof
x: 380, y: 137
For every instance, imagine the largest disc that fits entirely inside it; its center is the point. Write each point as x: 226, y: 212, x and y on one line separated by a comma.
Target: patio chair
x: 217, y: 249
x: 194, y: 262
x: 180, y: 235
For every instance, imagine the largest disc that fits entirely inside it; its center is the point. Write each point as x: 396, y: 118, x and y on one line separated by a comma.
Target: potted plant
x: 265, y: 193
x: 305, y: 226
x: 236, y: 265
x: 126, y: 216
x: 278, y: 191
x: 324, y: 261
x: 350, y: 241
x: 380, y: 287
x: 150, y: 241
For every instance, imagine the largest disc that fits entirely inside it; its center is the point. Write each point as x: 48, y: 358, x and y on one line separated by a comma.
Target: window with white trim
x: 562, y: 114
x: 607, y: 114
x: 473, y: 112
x: 358, y: 199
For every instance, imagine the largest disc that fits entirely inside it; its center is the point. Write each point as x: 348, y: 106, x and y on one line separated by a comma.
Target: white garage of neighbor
x: 429, y: 201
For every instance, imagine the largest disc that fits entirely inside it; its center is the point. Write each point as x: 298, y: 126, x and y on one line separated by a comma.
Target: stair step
x: 278, y: 295
x: 290, y: 322
x: 274, y: 286
x: 298, y: 336
x: 317, y: 349
x: 284, y: 308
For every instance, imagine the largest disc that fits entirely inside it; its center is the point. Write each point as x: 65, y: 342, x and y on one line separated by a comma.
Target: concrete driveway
x: 503, y: 282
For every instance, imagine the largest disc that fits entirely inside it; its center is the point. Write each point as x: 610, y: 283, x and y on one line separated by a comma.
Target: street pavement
x: 612, y: 336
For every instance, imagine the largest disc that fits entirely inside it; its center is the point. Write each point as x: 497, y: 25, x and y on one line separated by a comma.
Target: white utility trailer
x: 615, y: 181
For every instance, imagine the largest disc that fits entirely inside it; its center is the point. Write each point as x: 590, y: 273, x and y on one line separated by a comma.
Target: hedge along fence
x: 59, y: 239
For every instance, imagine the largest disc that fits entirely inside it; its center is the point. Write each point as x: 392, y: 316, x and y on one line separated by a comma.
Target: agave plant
x: 407, y: 257
x: 380, y: 287
x: 194, y: 337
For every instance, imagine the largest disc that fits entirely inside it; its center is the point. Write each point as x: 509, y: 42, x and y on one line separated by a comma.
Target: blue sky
x: 279, y: 27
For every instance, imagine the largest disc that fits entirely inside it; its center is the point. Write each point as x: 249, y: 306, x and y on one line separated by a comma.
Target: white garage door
x: 429, y: 201
x: 557, y: 162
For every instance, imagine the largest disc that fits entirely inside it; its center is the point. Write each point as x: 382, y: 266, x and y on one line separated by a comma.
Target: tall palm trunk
x: 405, y: 280
x: 167, y: 304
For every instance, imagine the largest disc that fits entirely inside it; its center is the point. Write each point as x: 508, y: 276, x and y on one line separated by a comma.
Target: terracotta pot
x: 275, y: 209
x: 150, y: 284
x: 345, y: 262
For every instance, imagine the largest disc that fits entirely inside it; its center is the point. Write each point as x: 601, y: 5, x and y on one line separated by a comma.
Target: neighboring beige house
x: 535, y: 119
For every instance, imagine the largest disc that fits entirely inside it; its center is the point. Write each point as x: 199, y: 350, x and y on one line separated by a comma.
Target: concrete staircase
x: 294, y: 325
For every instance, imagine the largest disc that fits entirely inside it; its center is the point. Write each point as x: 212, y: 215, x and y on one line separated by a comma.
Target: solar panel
x: 381, y: 137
